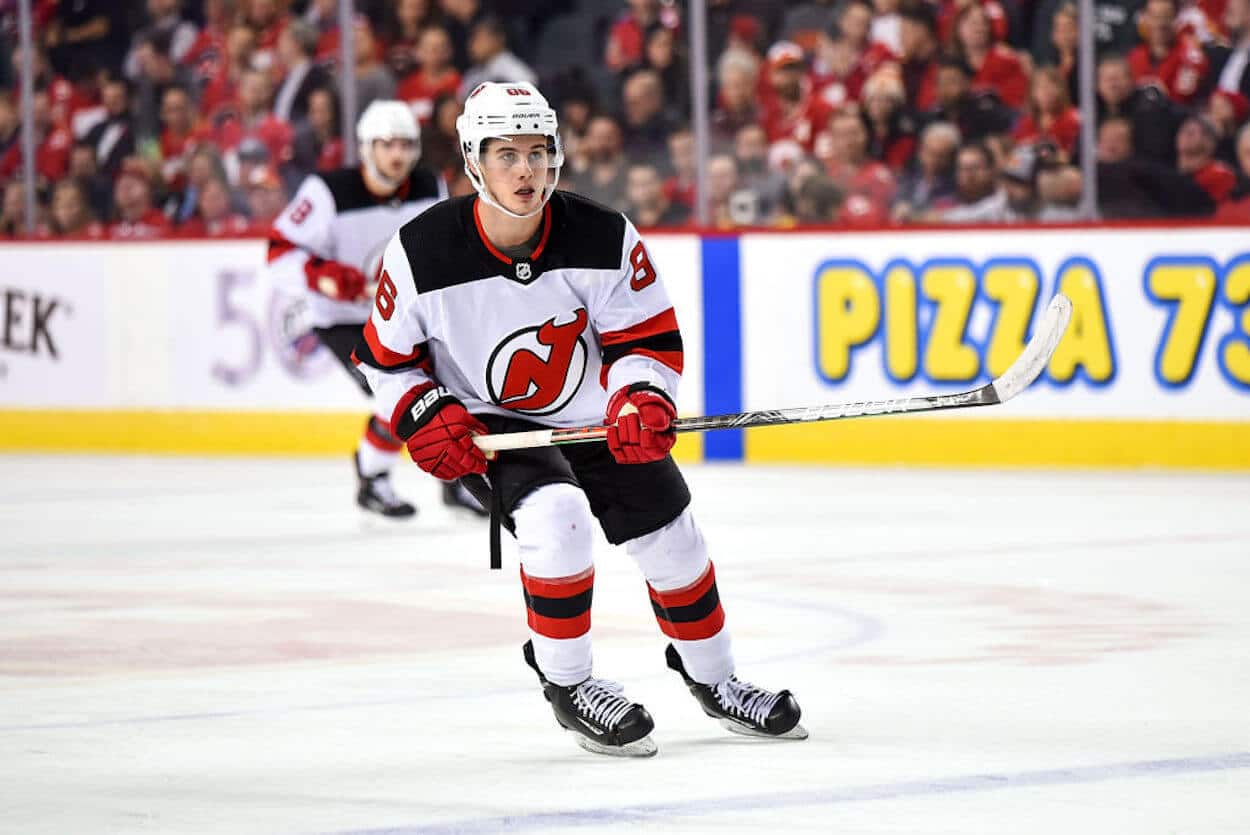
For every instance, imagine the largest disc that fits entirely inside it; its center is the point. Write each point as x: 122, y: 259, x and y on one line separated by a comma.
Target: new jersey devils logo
x: 538, y: 370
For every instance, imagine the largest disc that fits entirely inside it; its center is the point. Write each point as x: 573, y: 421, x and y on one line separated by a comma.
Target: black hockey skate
x: 377, y: 496
x: 596, y: 711
x: 744, y: 708
x: 456, y: 495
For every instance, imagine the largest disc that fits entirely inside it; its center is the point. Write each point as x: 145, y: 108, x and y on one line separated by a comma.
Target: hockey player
x: 327, y: 245
x: 522, y: 307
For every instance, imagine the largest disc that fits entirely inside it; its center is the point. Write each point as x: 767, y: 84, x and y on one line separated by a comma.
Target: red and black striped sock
x: 559, y: 608
x: 692, y: 613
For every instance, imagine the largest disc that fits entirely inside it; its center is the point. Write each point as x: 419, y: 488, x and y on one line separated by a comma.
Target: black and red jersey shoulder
x: 347, y: 187
x: 446, y: 246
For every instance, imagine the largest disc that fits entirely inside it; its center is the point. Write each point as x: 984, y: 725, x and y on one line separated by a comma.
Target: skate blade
x: 644, y: 747
x: 797, y: 732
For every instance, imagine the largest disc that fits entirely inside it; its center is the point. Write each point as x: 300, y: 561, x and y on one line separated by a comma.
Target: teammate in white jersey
x: 327, y: 245
x: 521, y: 307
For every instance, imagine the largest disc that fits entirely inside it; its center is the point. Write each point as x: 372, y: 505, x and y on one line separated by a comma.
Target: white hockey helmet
x: 386, y: 119
x: 501, y: 111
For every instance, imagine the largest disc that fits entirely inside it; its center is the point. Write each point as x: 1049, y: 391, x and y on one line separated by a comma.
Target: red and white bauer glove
x: 338, y: 281
x: 640, y: 424
x: 438, y: 431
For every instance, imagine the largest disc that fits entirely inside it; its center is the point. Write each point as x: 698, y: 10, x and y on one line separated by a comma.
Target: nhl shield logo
x: 523, y: 271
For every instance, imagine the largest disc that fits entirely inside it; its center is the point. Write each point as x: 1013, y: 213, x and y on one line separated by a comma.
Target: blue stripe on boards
x: 722, y: 344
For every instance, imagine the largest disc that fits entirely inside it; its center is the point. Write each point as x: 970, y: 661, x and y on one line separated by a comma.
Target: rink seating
x: 181, y: 346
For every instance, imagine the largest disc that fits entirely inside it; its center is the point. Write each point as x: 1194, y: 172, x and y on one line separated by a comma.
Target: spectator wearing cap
x: 645, y: 202
x: 1230, y: 63
x: 136, y: 217
x: 435, y: 75
x: 1237, y: 207
x: 113, y: 136
x: 599, y: 168
x: 645, y: 119
x: 1167, y: 58
x: 318, y: 143
x: 214, y: 217
x: 979, y: 198
x: 930, y: 181
x: 488, y: 48
x: 995, y: 67
x: 891, y: 124
x: 868, y: 185
x: 791, y: 111
x: 301, y: 76
x: 164, y: 19
x: 1155, y: 117
x: 1195, y: 157
x: 736, y: 103
x: 919, y: 53
x: 69, y: 215
x: 1050, y: 114
x: 624, y: 47
x: 266, y: 198
x: 1228, y: 111
x: 977, y: 113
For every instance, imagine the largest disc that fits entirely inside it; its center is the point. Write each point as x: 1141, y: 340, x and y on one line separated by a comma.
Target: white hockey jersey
x: 546, y: 338
x: 334, y: 217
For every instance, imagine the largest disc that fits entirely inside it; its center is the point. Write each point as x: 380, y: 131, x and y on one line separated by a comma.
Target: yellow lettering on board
x: 1192, y: 287
x: 1014, y: 287
x: 901, y: 356
x: 848, y: 312
x: 1236, y: 352
x: 947, y: 356
x: 1087, y: 343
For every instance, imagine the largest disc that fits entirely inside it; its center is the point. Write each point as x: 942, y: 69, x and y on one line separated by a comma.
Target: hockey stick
x: 1031, y: 362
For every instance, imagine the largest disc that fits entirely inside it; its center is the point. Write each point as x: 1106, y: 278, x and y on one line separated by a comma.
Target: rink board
x: 183, y: 346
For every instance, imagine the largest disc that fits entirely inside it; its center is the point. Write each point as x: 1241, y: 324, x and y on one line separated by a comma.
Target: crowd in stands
x: 200, y: 117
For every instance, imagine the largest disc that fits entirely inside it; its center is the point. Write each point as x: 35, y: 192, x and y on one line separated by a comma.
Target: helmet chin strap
x: 479, y: 183
x: 390, y: 183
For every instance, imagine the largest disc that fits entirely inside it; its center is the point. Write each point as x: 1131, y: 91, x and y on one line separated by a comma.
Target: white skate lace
x: 745, y: 700
x: 601, y: 701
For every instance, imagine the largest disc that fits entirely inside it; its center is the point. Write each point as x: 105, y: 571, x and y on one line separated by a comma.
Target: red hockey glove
x: 439, y: 432
x: 338, y: 281
x: 640, y: 424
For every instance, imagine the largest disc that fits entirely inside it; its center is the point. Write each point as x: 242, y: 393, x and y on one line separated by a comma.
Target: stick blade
x: 1030, y: 364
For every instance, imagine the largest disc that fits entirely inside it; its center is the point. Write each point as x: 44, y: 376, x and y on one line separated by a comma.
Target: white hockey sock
x: 374, y: 461
x: 553, y: 531
x: 682, y: 583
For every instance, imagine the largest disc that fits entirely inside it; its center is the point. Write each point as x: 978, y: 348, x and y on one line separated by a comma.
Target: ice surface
x: 223, y: 646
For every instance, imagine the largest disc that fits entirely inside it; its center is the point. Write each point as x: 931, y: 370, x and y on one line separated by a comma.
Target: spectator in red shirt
x: 1195, y: 156
x: 854, y: 23
x: 214, y: 217
x: 267, y: 19
x: 180, y: 135
x: 137, y: 218
x: 207, y: 53
x: 254, y: 119
x: 792, y: 111
x: 995, y: 66
x: 53, y: 141
x: 1175, y: 62
x: 868, y: 185
x: 949, y: 14
x: 1050, y: 115
x: 62, y: 97
x: 919, y: 53
x: 436, y: 76
x: 679, y: 187
x: 891, y: 125
x: 627, y: 35
x: 70, y: 216
x: 221, y: 92
x: 1237, y: 207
